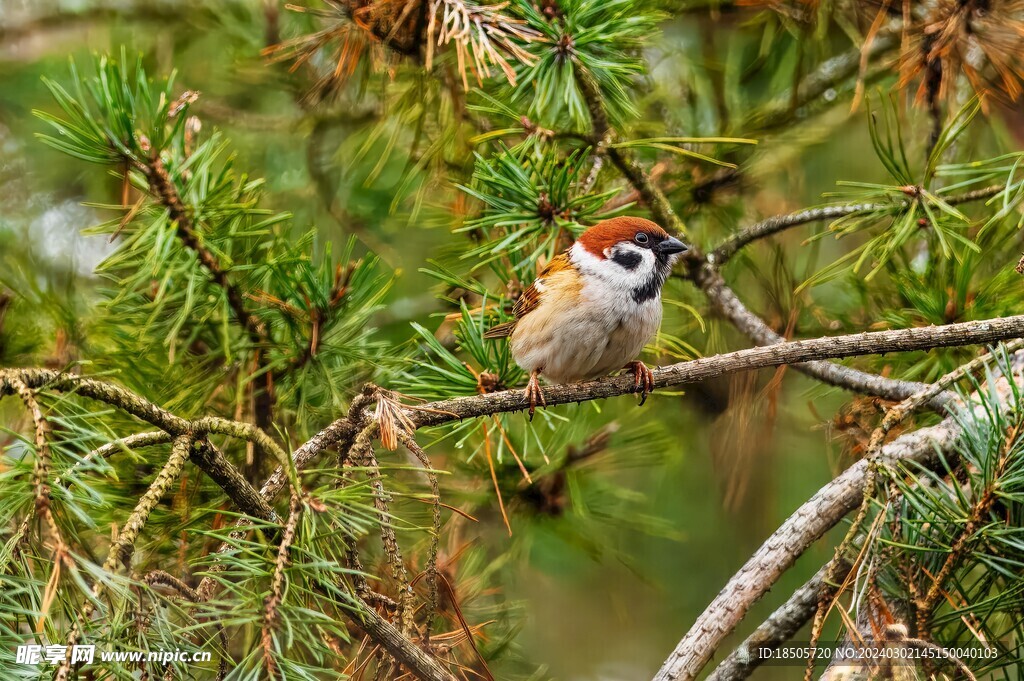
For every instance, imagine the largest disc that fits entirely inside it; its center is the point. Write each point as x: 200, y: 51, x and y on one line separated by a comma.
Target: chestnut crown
x: 604, y: 236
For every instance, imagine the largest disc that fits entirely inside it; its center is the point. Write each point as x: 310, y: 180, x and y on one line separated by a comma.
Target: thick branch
x: 780, y: 626
x: 809, y: 523
x: 778, y: 553
x: 727, y: 304
x: 793, y: 352
x: 230, y: 479
x: 388, y: 637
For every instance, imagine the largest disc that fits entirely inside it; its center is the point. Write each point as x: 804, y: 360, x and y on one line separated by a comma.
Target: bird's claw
x: 643, y: 380
x: 534, y: 394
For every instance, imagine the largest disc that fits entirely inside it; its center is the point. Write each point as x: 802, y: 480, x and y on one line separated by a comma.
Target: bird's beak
x: 672, y: 245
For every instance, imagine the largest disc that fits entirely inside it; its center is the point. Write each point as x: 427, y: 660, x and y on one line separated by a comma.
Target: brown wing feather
x: 530, y: 299
x: 501, y: 330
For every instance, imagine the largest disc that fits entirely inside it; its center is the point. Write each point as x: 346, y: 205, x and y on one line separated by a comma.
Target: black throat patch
x: 652, y: 287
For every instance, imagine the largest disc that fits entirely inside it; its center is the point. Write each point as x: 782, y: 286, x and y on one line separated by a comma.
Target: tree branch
x: 724, y: 300
x: 386, y: 635
x: 209, y: 460
x: 780, y: 626
x: 124, y: 444
x: 661, y: 208
x: 162, y: 187
x: 341, y: 433
x: 778, y: 553
x: 792, y: 352
x: 444, y: 411
x: 245, y: 497
x: 124, y: 546
x: 805, y: 526
x: 778, y: 223
x: 819, y: 514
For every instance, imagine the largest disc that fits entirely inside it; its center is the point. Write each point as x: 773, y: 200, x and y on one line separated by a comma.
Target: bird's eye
x: 640, y: 238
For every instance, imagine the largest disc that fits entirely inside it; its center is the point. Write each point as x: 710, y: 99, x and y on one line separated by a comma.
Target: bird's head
x: 628, y: 252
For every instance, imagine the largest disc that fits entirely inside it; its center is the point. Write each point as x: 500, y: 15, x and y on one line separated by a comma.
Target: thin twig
x: 273, y: 600
x: 435, y: 536
x: 124, y: 444
x: 773, y: 225
x: 124, y: 546
x: 163, y: 188
x: 362, y: 454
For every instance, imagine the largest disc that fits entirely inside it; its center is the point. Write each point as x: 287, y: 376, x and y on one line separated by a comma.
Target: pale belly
x: 580, y: 342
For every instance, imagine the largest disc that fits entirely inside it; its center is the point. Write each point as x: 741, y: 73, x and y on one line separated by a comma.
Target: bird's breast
x: 590, y: 335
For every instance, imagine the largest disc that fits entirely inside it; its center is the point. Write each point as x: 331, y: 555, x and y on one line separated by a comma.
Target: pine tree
x: 239, y: 444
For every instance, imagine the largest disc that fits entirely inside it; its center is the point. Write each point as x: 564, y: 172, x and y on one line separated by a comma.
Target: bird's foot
x: 643, y: 379
x: 534, y: 394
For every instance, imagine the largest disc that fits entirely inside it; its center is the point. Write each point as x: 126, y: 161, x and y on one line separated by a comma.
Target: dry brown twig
x: 483, y: 37
x: 481, y: 32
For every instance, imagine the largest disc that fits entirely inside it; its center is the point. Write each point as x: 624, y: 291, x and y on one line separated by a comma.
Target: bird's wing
x: 530, y: 299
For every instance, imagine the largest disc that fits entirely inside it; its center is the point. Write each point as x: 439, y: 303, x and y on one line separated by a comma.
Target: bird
x: 594, y: 307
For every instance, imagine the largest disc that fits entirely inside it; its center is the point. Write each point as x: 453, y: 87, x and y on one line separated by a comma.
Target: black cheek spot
x: 627, y: 259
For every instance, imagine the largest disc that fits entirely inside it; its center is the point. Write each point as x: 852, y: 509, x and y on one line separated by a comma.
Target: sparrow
x: 594, y: 307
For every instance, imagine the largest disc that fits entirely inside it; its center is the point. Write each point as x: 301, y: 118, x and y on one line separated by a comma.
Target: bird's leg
x: 643, y: 379
x: 534, y: 393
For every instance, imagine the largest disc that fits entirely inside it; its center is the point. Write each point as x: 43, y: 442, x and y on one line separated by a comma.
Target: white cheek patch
x: 631, y: 276
x: 624, y: 266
